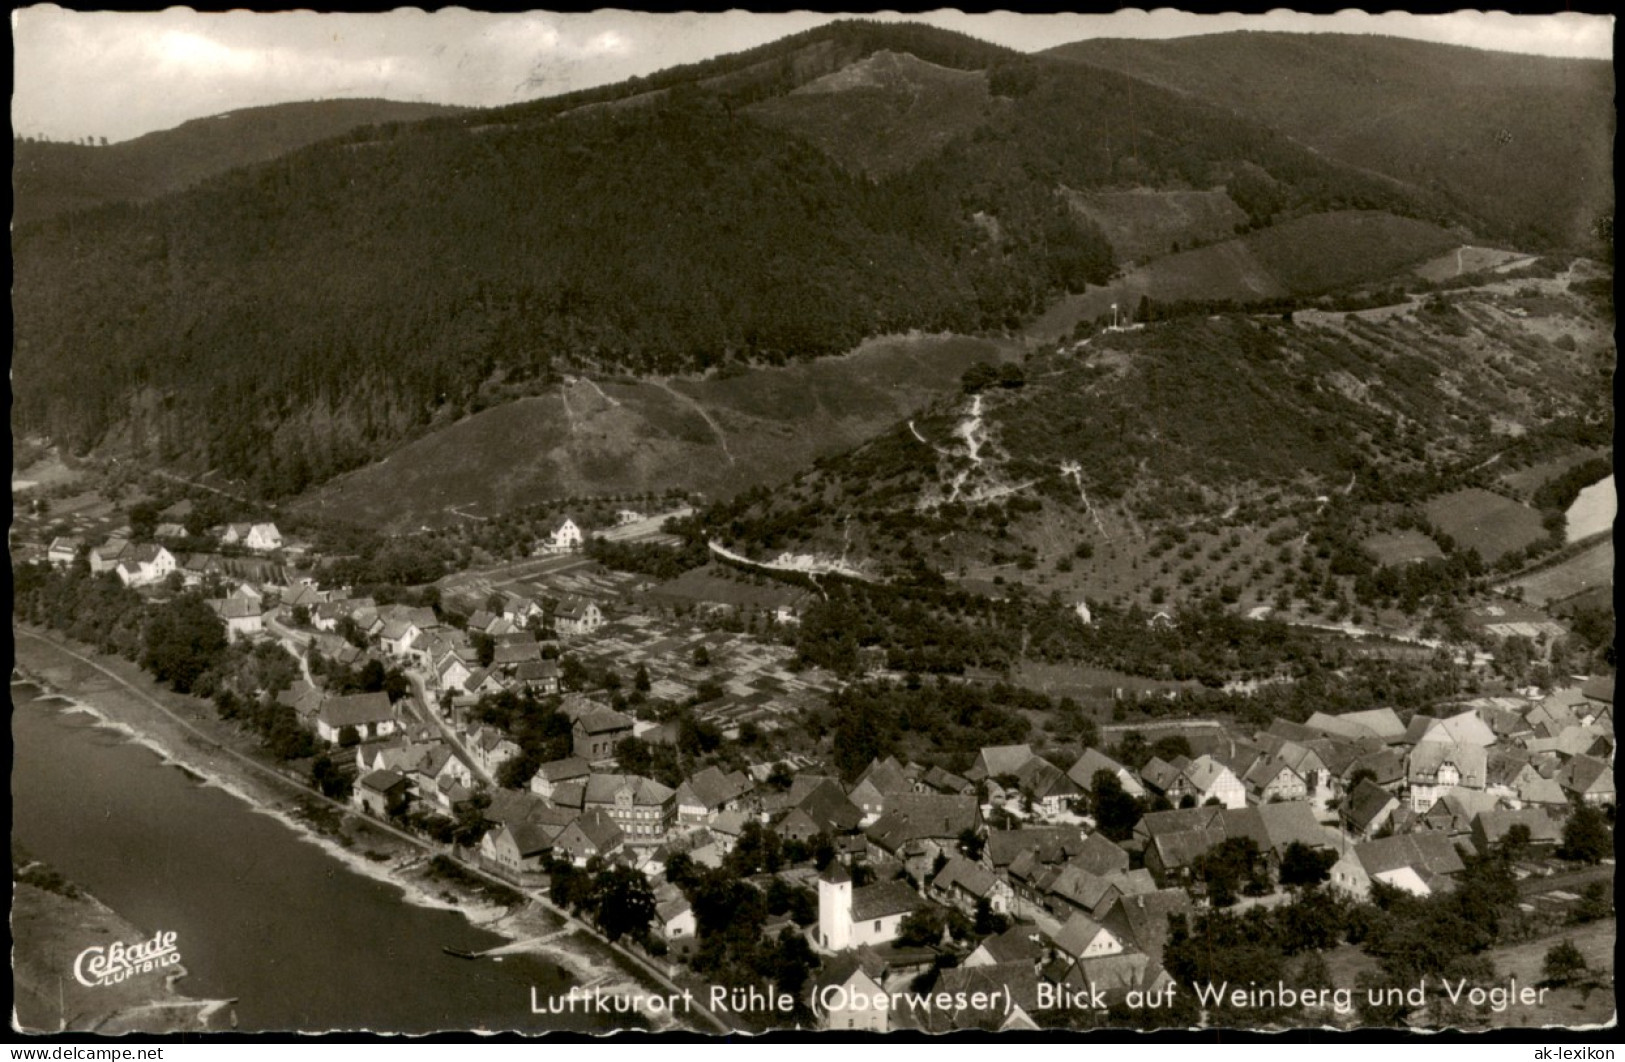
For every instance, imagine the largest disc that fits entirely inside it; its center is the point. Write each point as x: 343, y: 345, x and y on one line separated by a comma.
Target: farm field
x: 50, y: 470
x: 1467, y: 259
x: 1402, y: 547
x: 1592, y: 569
x: 1489, y: 523
x: 710, y: 585
x: 1285, y: 259
x: 1564, y: 1006
x: 1526, y: 481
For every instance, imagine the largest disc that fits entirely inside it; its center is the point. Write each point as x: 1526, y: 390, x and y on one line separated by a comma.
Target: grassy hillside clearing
x: 1287, y: 259
x: 1465, y: 260
x: 885, y: 113
x: 1402, y: 547
x: 1146, y: 223
x: 716, y: 435
x: 1489, y: 523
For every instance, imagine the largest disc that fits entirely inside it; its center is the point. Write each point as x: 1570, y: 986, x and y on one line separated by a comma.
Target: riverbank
x: 53, y: 922
x: 184, y: 731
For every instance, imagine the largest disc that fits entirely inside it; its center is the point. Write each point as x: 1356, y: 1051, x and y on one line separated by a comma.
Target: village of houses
x: 1393, y: 800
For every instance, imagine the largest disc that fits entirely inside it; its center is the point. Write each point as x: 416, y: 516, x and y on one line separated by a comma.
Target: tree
x: 622, y: 903
x: 1302, y: 866
x: 1596, y: 903
x: 1230, y: 867
x: 349, y: 737
x: 568, y: 886
x: 144, y: 519
x: 922, y: 927
x: 971, y: 843
x: 781, y: 777
x: 328, y: 779
x: 702, y: 656
x: 681, y: 870
x: 1172, y: 746
x: 1515, y: 842
x: 640, y: 679
x: 978, y: 377
x: 1586, y: 836
x: 1564, y: 963
x: 632, y: 756
x: 183, y: 639
x: 1116, y: 813
x: 989, y: 922
x: 396, y: 684
x: 1134, y: 751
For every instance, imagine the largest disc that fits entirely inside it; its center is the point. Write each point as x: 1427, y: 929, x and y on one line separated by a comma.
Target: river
x: 1593, y: 511
x: 261, y: 913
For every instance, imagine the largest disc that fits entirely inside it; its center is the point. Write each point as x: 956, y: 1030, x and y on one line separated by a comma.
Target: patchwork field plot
x: 708, y: 585
x: 1464, y: 260
x: 1489, y: 523
x: 1592, y: 569
x: 1402, y: 547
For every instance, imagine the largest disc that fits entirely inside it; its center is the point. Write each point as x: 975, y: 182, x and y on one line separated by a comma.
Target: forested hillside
x: 1522, y: 143
x: 50, y: 178
x: 286, y: 322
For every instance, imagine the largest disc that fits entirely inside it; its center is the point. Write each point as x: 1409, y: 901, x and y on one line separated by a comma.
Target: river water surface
x: 261, y: 913
x: 1593, y: 511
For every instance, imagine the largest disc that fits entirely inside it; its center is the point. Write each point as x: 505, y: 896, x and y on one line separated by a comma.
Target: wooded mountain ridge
x: 287, y: 321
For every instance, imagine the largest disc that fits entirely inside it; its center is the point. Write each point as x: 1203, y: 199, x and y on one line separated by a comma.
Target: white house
x: 851, y: 918
x: 577, y: 616
x: 844, y: 991
x: 1211, y: 780
x: 491, y: 749
x: 242, y: 615
x: 63, y: 552
x: 1084, y: 938
x: 565, y: 537
x: 261, y: 538
x: 674, y: 919
x: 1436, y: 767
x: 370, y: 714
x: 144, y: 565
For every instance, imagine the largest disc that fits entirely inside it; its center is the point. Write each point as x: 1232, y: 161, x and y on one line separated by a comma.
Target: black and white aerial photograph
x: 812, y: 523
